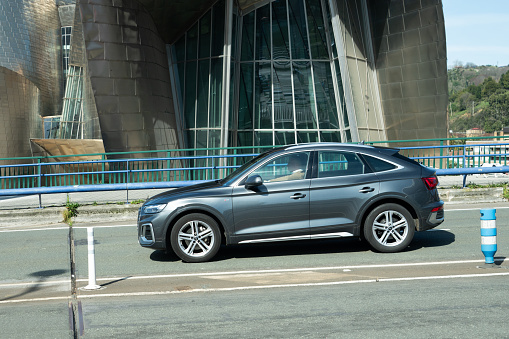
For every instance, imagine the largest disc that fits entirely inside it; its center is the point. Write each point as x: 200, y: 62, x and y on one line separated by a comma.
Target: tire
x: 195, y: 238
x: 389, y: 228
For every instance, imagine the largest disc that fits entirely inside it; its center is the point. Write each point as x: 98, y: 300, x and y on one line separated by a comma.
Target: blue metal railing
x: 168, y: 172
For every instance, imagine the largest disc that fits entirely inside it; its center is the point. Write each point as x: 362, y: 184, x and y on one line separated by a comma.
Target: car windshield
x: 243, y: 168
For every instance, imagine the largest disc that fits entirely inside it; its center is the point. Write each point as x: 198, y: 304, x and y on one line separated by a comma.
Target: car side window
x: 378, y: 165
x: 284, y: 168
x: 337, y: 163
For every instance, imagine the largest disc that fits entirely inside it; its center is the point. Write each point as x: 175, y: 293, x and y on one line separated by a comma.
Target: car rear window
x: 378, y: 165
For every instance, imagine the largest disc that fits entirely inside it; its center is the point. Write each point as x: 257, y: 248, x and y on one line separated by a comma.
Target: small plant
x: 139, y: 201
x: 505, y: 193
x: 70, y: 212
x: 95, y: 203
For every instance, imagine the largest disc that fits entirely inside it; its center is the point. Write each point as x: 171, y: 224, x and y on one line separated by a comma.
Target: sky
x: 477, y: 31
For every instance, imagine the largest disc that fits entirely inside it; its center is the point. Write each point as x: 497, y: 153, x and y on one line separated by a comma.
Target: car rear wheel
x: 195, y: 238
x: 389, y: 228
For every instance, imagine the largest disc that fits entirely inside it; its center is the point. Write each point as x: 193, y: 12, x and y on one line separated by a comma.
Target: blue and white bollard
x: 488, y: 235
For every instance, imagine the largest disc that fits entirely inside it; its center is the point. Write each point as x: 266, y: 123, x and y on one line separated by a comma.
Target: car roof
x: 358, y: 147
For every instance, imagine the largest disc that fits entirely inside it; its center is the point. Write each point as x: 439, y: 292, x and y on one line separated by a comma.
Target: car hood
x: 181, y: 192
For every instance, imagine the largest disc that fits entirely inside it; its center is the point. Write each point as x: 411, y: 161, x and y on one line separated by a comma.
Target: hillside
x: 478, y: 98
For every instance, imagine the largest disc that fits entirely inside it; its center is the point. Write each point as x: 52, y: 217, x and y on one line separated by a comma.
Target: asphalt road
x: 332, y: 288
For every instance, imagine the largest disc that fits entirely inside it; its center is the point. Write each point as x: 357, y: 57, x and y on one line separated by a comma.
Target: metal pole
x: 92, y: 284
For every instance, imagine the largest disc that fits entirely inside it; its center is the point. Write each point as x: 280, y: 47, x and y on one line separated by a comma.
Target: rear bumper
x: 435, y: 218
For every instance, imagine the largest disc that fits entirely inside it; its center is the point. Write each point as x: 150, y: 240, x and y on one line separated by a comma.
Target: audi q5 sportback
x: 307, y: 191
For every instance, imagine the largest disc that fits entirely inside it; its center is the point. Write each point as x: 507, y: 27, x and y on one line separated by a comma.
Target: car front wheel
x: 389, y: 228
x: 195, y: 238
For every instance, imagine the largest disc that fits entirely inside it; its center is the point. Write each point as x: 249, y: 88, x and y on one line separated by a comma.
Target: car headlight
x: 153, y: 209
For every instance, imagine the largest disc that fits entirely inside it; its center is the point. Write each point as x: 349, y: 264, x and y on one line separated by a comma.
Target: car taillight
x: 430, y: 182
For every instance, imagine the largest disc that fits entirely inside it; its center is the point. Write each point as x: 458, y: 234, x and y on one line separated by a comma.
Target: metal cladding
x: 156, y: 74
x: 30, y: 71
x: 129, y: 76
x: 411, y: 62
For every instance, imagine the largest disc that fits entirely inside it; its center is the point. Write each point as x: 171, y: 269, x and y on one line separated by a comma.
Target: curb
x: 110, y: 213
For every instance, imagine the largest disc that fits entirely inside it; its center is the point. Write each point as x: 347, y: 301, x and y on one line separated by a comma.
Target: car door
x: 279, y: 208
x: 342, y: 184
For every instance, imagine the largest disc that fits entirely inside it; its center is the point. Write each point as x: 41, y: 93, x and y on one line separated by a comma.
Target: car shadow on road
x: 311, y: 247
x: 433, y: 238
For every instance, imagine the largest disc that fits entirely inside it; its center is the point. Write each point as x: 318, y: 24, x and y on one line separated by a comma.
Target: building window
x: 66, y: 48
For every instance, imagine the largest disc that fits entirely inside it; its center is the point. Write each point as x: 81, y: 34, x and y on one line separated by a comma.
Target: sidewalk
x: 109, y: 207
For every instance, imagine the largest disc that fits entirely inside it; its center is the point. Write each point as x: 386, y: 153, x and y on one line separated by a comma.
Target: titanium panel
x: 421, y: 91
x: 129, y: 75
x: 30, y: 49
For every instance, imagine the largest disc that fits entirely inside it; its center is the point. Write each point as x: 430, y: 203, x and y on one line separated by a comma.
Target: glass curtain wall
x: 285, y: 81
x: 71, y: 125
x: 66, y: 48
x: 290, y: 88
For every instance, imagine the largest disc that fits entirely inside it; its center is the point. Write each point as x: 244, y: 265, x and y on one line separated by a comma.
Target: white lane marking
x: 32, y: 283
x: 208, y: 274
x: 63, y: 228
x: 286, y: 270
x: 244, y: 288
x: 474, y: 209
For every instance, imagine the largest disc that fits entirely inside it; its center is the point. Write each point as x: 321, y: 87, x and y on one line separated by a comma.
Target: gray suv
x: 307, y: 191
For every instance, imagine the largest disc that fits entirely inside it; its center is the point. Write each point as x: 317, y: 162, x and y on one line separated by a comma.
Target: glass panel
x: 341, y: 92
x: 245, y: 139
x: 330, y: 136
x: 248, y: 37
x: 317, y: 38
x: 378, y: 165
x: 263, y: 138
x: 180, y: 76
x: 334, y: 164
x: 304, y: 97
x: 305, y: 137
x: 235, y: 22
x: 218, y: 29
x: 216, y: 81
x: 190, y: 95
x: 298, y: 31
x: 263, y: 33
x: 180, y: 49
x: 325, y: 97
x: 190, y: 139
x: 280, y: 40
x: 285, y: 168
x: 283, y: 104
x: 203, y: 93
x: 204, y: 51
x: 348, y: 136
x: 284, y: 138
x: 263, y: 98
x: 245, y: 115
x: 192, y: 43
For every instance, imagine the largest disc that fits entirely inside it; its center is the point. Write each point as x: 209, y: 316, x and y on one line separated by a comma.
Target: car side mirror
x: 253, y: 181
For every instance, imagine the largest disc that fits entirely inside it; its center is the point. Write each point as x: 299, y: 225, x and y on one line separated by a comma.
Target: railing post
x: 127, y: 182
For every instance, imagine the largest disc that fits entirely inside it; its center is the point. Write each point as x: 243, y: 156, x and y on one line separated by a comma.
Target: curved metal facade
x: 30, y: 71
x: 128, y: 72
x: 158, y: 74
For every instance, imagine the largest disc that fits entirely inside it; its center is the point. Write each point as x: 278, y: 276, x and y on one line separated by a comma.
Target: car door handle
x: 298, y: 196
x: 366, y: 190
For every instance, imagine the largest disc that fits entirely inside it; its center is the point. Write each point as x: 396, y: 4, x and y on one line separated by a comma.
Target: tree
x: 489, y: 87
x: 475, y: 90
x: 504, y: 80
